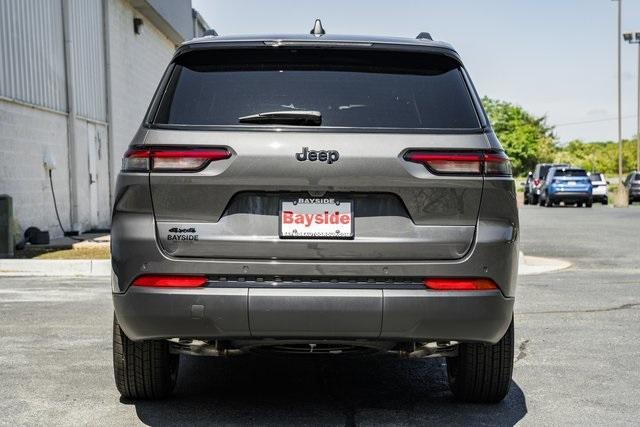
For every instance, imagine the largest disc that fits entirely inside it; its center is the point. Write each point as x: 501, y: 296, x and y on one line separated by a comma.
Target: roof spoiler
x: 424, y: 36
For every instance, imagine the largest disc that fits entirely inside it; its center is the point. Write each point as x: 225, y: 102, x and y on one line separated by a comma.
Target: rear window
x: 595, y: 177
x: 570, y: 172
x: 350, y: 88
x: 543, y: 171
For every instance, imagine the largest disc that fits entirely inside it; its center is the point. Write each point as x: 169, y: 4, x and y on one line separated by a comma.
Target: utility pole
x: 621, y: 200
x: 628, y: 37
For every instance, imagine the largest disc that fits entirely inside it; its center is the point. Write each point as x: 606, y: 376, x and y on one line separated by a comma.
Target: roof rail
x: 424, y: 36
x: 210, y: 32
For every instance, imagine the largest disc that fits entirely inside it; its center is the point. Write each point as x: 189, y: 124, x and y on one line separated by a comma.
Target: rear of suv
x: 567, y: 185
x: 315, y: 195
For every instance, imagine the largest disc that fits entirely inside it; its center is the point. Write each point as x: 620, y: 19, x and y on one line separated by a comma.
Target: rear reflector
x: 172, y: 160
x: 163, y: 281
x: 462, y: 163
x: 460, y: 284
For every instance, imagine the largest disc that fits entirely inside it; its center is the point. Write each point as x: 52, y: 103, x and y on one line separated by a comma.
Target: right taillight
x: 497, y: 164
x: 462, y: 163
x: 171, y: 160
x: 460, y: 284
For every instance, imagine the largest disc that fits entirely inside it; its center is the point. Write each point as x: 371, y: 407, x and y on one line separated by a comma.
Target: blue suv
x: 568, y: 185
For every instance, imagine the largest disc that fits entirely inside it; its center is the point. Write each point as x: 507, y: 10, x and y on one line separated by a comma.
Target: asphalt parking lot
x: 577, y: 355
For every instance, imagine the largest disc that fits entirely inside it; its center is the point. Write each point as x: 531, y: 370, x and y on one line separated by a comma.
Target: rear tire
x: 579, y: 204
x: 589, y: 203
x: 144, y: 369
x: 481, y: 373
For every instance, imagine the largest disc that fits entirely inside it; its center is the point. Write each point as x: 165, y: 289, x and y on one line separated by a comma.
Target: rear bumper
x: 570, y: 196
x: 240, y: 313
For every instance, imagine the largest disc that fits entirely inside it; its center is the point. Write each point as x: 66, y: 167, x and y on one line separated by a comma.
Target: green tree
x: 598, y: 156
x: 527, y: 139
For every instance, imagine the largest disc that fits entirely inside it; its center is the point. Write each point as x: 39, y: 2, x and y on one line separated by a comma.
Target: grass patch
x: 94, y: 252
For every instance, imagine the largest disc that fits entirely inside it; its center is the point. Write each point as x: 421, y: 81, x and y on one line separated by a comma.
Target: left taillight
x: 169, y: 281
x: 462, y: 163
x: 144, y: 160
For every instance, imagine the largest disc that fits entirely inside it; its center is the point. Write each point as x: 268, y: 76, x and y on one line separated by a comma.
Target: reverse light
x: 462, y: 163
x: 141, y: 160
x: 460, y: 284
x: 169, y: 281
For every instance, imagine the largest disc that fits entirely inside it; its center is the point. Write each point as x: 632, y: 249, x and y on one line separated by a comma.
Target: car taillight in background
x: 461, y: 163
x: 167, y: 159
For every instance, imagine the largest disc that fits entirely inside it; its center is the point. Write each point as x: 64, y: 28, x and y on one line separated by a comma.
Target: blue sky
x: 553, y: 57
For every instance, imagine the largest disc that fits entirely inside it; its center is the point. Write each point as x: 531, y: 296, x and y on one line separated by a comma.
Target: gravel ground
x: 577, y: 359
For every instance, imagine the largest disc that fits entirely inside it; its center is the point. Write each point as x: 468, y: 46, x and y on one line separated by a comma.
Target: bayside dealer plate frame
x: 326, y: 202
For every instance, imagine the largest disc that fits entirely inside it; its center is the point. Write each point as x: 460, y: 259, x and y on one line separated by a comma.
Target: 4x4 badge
x: 329, y: 156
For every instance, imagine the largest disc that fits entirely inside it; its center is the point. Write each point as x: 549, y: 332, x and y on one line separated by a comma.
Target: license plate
x: 316, y: 218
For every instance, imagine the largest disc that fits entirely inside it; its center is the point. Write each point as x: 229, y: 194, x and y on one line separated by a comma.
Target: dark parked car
x: 632, y: 184
x: 568, y: 186
x: 535, y: 180
x: 315, y: 194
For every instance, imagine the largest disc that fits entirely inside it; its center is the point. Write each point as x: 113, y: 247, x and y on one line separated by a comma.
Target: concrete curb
x: 55, y: 267
x: 530, y: 265
x: 527, y: 265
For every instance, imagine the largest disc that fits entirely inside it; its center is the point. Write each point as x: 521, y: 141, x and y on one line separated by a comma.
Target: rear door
x: 376, y: 107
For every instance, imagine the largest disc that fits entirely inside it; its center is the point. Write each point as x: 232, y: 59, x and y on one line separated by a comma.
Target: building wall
x: 27, y: 135
x: 110, y: 60
x: 137, y: 62
x: 31, y: 53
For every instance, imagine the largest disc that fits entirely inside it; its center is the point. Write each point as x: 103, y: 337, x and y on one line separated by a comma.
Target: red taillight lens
x: 460, y: 284
x: 172, y: 160
x: 166, y: 281
x: 536, y: 182
x: 492, y: 164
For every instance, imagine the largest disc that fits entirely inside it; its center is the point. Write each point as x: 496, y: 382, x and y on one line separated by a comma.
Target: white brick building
x: 76, y: 77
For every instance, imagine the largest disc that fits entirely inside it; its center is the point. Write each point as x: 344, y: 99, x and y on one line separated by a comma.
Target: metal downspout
x: 71, y: 117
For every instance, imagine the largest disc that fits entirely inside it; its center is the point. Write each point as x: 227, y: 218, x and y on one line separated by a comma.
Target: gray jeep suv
x: 315, y: 194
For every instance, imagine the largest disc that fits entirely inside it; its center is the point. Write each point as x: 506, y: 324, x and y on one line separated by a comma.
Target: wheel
x: 605, y: 201
x: 588, y: 203
x: 526, y: 199
x: 548, y: 202
x: 144, y: 369
x: 579, y: 204
x: 481, y: 373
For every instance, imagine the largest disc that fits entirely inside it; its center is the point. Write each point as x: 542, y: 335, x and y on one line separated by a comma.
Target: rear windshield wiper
x: 287, y: 117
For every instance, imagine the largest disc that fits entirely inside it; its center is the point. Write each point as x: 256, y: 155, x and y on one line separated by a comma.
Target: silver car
x: 315, y: 195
